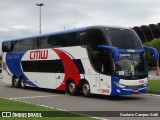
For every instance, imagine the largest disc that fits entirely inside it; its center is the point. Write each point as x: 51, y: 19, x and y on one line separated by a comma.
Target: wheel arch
x: 68, y: 81
x: 21, y: 76
x: 82, y: 81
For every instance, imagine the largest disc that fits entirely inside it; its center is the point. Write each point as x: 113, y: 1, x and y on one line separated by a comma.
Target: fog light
x: 119, y: 85
x: 118, y: 90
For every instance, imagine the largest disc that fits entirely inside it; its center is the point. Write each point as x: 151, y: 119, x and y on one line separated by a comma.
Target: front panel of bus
x: 130, y: 71
x: 128, y: 75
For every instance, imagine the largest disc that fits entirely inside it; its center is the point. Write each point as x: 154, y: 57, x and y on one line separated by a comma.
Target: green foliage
x: 10, y: 105
x: 154, y: 86
x: 154, y: 43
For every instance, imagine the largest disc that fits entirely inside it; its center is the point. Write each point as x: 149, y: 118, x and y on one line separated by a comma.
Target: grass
x: 154, y: 86
x: 9, y: 105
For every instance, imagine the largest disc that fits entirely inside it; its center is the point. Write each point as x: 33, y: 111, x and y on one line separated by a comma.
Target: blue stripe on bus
x: 13, y: 61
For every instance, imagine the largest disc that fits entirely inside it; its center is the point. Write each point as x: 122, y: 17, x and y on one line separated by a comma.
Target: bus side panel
x: 38, y: 74
x: 6, y: 74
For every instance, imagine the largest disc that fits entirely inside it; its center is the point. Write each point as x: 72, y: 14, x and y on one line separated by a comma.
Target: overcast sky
x: 20, y: 18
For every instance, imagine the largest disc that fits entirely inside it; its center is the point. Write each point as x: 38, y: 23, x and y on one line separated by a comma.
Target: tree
x: 154, y: 43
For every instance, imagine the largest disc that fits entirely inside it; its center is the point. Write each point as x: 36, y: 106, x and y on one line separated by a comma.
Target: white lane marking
x: 32, y: 97
x: 57, y: 95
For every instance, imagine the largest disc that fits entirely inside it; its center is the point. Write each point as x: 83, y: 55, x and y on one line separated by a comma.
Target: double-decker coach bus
x: 90, y: 60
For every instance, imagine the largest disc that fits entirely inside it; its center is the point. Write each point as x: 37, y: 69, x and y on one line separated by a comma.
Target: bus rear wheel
x: 15, y: 82
x: 85, y: 89
x: 22, y: 82
x: 71, y: 88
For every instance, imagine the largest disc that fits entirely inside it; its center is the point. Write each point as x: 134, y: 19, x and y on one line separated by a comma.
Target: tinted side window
x: 81, y: 37
x: 95, y: 37
x: 71, y: 39
x: 76, y: 39
x: 22, y: 45
x: 47, y: 66
x: 57, y: 41
x: 43, y: 43
x: 6, y: 46
x: 27, y: 45
x: 16, y: 45
x: 66, y: 40
x: 79, y: 65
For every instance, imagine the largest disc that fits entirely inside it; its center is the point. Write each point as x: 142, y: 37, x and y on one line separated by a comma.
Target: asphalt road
x: 59, y: 100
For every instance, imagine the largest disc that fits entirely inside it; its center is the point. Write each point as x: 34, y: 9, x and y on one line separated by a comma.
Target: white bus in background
x: 90, y: 60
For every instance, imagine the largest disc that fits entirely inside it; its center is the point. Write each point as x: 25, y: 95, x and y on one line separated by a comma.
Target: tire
x: 71, y: 88
x: 22, y: 83
x: 85, y: 89
x: 15, y: 82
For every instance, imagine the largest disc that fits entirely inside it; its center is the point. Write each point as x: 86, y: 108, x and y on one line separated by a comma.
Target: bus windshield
x: 131, y: 66
x: 123, y: 38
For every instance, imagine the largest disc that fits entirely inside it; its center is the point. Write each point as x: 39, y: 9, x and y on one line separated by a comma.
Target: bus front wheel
x: 85, y: 89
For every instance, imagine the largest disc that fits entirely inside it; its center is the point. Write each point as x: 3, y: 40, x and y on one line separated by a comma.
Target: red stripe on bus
x: 70, y: 68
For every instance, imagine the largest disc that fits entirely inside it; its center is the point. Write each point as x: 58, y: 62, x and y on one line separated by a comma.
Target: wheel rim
x: 22, y: 83
x: 15, y: 82
x: 86, y: 88
x: 72, y: 87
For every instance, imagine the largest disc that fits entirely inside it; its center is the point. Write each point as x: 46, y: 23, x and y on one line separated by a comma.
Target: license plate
x: 135, y: 91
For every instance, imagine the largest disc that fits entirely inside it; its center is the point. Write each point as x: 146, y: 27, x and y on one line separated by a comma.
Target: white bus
x: 90, y: 60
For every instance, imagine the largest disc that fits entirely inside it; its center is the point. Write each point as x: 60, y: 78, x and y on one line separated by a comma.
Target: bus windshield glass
x: 123, y: 38
x: 131, y: 66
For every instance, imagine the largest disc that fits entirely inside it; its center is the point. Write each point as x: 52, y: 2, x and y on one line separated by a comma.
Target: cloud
x: 20, y: 18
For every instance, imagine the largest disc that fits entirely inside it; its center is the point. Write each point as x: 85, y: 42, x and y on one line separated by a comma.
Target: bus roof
x: 44, y: 35
x: 63, y: 32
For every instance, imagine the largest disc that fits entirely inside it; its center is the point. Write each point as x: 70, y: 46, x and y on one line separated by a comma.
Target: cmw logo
x: 38, y: 54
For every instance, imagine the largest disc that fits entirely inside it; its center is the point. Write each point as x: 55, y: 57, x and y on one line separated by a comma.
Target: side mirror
x: 153, y: 50
x: 114, y: 50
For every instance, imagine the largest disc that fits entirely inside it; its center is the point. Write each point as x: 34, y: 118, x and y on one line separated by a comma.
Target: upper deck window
x: 123, y: 38
x: 95, y: 37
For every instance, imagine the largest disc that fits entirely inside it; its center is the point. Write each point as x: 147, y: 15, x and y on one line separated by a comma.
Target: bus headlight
x: 119, y: 85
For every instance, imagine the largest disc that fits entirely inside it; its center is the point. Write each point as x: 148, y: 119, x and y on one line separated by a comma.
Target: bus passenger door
x: 92, y: 77
x: 105, y: 84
